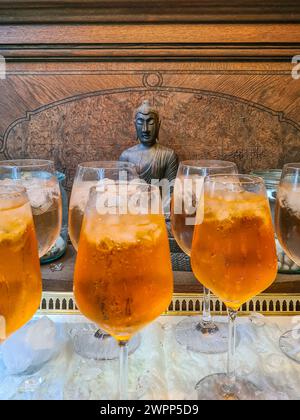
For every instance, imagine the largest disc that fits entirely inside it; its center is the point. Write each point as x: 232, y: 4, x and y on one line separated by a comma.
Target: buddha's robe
x: 157, y: 162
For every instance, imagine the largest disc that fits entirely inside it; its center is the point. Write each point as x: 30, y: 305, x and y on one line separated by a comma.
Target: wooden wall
x: 219, y: 73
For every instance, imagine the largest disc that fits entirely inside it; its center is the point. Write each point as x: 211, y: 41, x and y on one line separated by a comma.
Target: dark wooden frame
x: 49, y: 11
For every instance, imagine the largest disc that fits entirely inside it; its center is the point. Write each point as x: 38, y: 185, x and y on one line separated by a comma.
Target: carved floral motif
x: 196, y: 124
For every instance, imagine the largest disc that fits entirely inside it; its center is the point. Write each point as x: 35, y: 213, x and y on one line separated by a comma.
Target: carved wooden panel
x: 223, y: 91
x: 196, y: 122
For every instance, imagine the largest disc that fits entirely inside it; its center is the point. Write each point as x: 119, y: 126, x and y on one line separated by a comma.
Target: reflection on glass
x: 288, y: 232
x: 123, y: 277
x: 87, y: 176
x: 20, y: 278
x: 39, y: 179
x: 233, y: 254
x: 198, y: 335
x: 99, y: 346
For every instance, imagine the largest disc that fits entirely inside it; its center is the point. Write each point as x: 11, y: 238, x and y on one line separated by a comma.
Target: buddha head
x: 147, y: 124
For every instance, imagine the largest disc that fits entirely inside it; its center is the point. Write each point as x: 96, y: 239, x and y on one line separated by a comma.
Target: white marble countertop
x: 160, y: 368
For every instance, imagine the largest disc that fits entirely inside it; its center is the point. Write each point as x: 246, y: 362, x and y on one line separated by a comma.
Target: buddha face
x: 147, y: 128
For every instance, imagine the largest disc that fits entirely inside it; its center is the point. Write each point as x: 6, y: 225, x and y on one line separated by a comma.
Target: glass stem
x: 206, y: 318
x: 123, y: 384
x: 231, y: 374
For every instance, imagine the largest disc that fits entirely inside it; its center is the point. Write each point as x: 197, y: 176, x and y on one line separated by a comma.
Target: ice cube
x: 40, y: 200
x: 289, y: 197
x: 41, y: 193
x: 32, y: 346
x: 257, y: 319
x: 41, y: 335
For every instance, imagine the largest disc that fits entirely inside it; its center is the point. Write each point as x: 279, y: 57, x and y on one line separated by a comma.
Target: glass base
x: 199, y: 337
x: 89, y: 343
x: 289, y: 344
x: 56, y: 252
x: 216, y: 388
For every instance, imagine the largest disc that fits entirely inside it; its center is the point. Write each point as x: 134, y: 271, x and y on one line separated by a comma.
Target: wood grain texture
x: 98, y: 126
x: 62, y: 281
x: 160, y: 53
x: 80, y: 111
x: 150, y: 34
x: 218, y: 71
x: 145, y: 11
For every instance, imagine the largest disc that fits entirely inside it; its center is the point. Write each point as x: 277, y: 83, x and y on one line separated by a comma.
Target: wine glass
x: 88, y: 342
x: 287, y: 221
x: 40, y: 181
x: 123, y: 276
x: 198, y: 335
x: 88, y: 175
x: 234, y: 255
x: 21, y: 283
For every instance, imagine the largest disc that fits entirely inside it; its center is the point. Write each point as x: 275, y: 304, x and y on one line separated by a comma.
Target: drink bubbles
x: 45, y: 200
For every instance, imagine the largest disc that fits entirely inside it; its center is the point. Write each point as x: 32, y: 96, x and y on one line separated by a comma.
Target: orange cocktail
x: 20, y: 278
x: 233, y: 250
x: 123, y: 278
x: 203, y: 334
x: 39, y: 179
x: 233, y: 254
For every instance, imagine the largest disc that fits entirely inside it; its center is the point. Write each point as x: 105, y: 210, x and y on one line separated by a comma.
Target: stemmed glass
x: 88, y: 342
x: 198, y: 335
x: 123, y: 276
x: 21, y: 283
x: 234, y: 255
x: 287, y: 220
x: 88, y: 175
x: 38, y: 177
